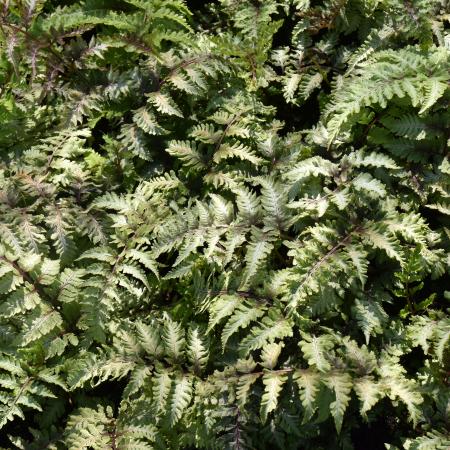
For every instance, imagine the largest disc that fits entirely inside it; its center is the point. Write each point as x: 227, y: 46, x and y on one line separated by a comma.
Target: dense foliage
x: 224, y: 224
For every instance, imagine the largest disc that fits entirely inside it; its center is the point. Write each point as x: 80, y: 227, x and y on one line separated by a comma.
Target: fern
x: 224, y: 225
x: 341, y: 384
x: 273, y: 385
x: 309, y: 384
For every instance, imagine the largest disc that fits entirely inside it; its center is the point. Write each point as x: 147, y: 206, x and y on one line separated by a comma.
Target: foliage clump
x: 224, y: 225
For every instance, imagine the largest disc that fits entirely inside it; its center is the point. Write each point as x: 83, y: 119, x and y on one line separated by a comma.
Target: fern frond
x: 309, y: 382
x: 273, y: 383
x: 173, y: 339
x: 180, y: 398
x: 273, y: 326
x: 316, y: 350
x: 242, y: 316
x: 341, y: 384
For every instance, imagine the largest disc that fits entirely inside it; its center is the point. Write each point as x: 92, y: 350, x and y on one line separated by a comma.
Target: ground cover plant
x: 224, y: 224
